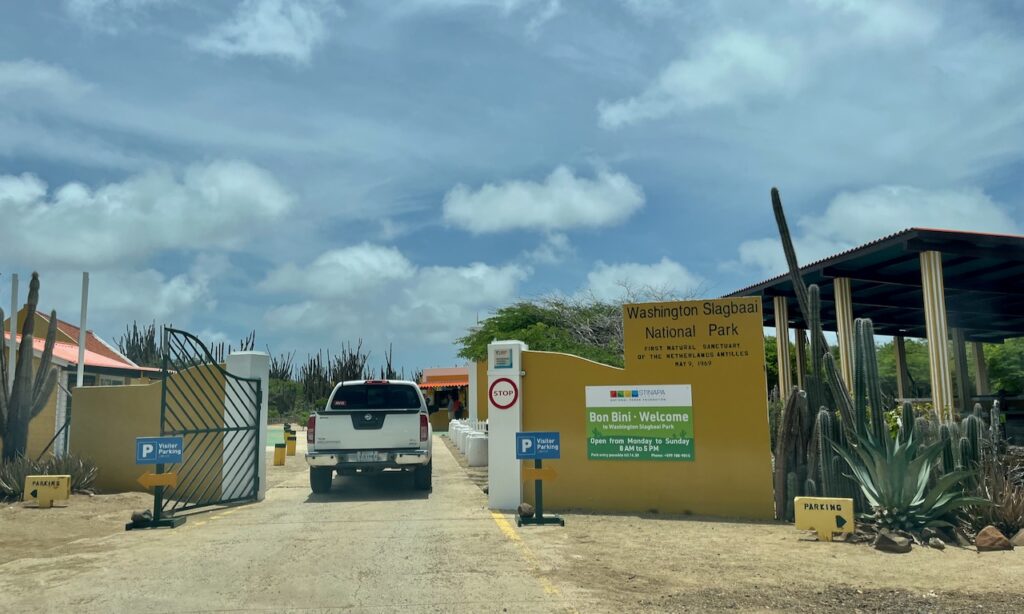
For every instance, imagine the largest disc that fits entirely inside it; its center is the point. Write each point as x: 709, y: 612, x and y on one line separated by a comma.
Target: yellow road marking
x: 510, y: 532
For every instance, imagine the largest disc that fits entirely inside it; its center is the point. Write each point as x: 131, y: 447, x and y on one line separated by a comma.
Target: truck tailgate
x: 367, y: 430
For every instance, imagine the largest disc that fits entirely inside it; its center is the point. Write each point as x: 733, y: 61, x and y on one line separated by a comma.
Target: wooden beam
x: 915, y: 281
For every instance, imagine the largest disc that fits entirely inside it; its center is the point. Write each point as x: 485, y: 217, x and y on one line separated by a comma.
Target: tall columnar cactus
x: 31, y: 389
x: 824, y: 434
x: 948, y: 458
x: 908, y: 423
x: 971, y: 441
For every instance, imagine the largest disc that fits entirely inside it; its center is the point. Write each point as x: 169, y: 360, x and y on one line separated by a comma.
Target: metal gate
x: 217, y: 416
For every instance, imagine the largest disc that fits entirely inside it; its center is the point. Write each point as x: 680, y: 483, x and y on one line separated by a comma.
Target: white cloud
x: 562, y: 201
x: 109, y: 15
x: 611, y: 281
x: 31, y: 76
x: 554, y: 249
x: 214, y: 205
x: 854, y: 218
x: 287, y: 29
x: 726, y: 69
x: 342, y: 272
x: 395, y: 300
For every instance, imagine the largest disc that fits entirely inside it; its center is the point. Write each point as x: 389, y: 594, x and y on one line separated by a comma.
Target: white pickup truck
x: 369, y: 426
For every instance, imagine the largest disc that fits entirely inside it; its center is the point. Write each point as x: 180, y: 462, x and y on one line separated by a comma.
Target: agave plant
x: 895, y: 476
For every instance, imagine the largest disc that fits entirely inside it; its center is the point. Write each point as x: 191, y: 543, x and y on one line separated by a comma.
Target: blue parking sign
x: 538, y: 446
x: 158, y: 450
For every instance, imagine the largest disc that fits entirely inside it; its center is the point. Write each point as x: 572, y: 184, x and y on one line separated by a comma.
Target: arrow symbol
x: 35, y: 494
x: 840, y: 522
x: 149, y: 480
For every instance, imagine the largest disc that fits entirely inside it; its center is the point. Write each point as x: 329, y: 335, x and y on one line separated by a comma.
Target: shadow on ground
x: 384, y: 486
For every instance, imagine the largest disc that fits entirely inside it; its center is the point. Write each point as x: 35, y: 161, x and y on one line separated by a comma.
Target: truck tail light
x: 311, y: 429
x: 424, y: 427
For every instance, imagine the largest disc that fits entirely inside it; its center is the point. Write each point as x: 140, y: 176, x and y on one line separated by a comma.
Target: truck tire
x: 421, y: 476
x: 320, y: 479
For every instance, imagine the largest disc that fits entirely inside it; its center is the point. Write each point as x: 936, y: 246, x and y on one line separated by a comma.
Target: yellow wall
x: 730, y: 475
x: 106, y: 421
x: 481, y: 390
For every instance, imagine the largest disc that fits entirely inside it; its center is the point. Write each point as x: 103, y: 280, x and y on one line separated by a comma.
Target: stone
x: 991, y: 539
x: 1018, y: 539
x: 937, y: 543
x: 887, y: 541
x: 525, y: 510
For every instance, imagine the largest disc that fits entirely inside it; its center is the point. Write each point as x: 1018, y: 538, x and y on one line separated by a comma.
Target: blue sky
x: 325, y: 171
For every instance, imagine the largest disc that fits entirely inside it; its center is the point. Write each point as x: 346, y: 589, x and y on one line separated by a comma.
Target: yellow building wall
x: 730, y: 475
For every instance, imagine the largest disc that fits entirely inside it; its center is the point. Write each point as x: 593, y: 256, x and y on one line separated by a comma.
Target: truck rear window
x: 375, y: 396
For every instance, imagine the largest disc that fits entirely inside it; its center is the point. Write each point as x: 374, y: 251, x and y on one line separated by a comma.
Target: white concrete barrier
x: 476, y: 450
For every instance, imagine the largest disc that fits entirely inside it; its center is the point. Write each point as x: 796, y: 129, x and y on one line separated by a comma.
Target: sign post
x: 158, y: 451
x: 538, y: 446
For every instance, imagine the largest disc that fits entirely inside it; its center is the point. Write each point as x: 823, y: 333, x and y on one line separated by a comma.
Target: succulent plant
x: 31, y: 389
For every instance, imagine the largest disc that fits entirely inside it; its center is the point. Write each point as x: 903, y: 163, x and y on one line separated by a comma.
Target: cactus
x: 811, y: 489
x: 31, y: 390
x: 790, y: 487
x: 948, y: 459
x: 970, y: 447
x: 995, y: 433
x: 825, y: 433
x: 907, y: 422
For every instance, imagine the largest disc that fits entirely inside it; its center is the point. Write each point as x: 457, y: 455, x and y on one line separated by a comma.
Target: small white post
x: 81, y: 331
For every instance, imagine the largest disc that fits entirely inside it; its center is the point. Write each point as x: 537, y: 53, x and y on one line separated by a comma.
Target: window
x: 375, y: 396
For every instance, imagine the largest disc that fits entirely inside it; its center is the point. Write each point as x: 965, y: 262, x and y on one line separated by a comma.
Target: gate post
x: 256, y: 365
x: 504, y: 416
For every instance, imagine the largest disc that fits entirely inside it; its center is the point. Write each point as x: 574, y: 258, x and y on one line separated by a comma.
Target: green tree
x: 1005, y: 362
x: 917, y: 365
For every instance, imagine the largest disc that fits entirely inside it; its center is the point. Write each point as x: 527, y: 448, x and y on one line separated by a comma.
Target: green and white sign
x: 639, y: 423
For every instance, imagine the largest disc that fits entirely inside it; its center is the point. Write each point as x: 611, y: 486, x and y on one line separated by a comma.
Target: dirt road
x: 383, y: 547
x: 366, y: 547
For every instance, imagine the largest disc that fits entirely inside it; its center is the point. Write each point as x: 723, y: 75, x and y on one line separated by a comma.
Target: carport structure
x: 950, y: 287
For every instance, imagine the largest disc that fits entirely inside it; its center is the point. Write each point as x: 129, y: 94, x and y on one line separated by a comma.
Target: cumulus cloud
x: 341, y: 272
x: 277, y: 28
x: 853, y: 218
x: 727, y: 68
x: 561, y: 202
x: 109, y: 15
x: 393, y: 299
x: 212, y: 205
x: 611, y: 281
x: 33, y: 77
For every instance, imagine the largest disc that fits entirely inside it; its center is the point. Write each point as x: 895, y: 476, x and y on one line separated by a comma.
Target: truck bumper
x: 392, y: 458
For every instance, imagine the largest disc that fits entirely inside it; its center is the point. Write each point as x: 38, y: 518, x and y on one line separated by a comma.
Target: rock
x: 887, y: 541
x: 928, y: 533
x: 142, y: 519
x: 525, y: 510
x: 991, y: 539
x: 937, y: 543
x: 1018, y: 539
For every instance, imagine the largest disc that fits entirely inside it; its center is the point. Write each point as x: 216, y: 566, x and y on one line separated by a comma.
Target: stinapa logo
x: 624, y: 394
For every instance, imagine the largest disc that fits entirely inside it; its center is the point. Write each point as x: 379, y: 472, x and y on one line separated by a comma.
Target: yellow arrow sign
x: 150, y: 480
x: 532, y: 473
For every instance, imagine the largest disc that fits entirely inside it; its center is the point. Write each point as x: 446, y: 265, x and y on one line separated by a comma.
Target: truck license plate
x: 366, y: 456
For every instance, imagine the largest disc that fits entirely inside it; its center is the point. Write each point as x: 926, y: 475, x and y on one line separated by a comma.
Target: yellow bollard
x: 290, y: 443
x: 279, y: 454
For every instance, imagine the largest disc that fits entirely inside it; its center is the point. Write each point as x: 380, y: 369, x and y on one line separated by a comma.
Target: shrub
x: 13, y: 473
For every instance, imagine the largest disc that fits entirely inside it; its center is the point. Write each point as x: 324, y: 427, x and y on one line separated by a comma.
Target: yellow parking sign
x: 826, y: 515
x: 46, y: 489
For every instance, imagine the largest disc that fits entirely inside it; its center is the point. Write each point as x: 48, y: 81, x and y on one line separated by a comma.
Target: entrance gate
x: 217, y: 416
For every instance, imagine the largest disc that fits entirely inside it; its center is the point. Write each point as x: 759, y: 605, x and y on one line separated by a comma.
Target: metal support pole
x: 801, y: 359
x: 844, y: 324
x: 782, y: 346
x: 980, y: 368
x: 538, y: 492
x: 963, y: 378
x: 902, y: 381
x: 934, y: 291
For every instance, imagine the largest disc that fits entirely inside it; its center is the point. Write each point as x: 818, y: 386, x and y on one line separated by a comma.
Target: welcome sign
x: 639, y: 423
